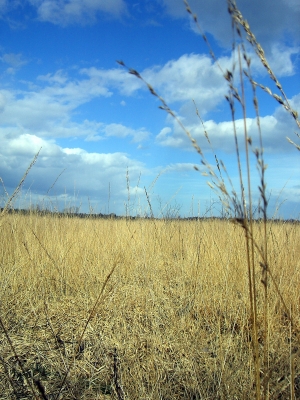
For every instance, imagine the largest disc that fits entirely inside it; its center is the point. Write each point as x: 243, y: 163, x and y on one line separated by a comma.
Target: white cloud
x: 192, y: 76
x: 15, y: 61
x: 36, y: 118
x: 66, y: 12
x: 51, y: 117
x: 268, y: 23
x: 6, y: 5
x: 279, y: 59
x: 73, y: 91
x: 195, y: 77
x: 274, y: 129
x: 60, y: 77
x: 121, y: 131
x: 168, y: 139
x: 17, y: 144
x: 114, y: 78
x: 181, y: 167
x: 295, y: 103
x: 48, y: 110
x: 87, y: 173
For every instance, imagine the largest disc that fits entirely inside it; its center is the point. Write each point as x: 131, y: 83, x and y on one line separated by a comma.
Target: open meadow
x: 172, y: 321
x: 154, y: 308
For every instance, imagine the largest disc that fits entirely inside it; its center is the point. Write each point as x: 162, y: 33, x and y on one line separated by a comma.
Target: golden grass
x: 173, y: 320
x: 179, y: 318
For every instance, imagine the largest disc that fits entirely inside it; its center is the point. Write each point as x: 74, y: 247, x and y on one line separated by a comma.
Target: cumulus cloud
x: 24, y: 144
x: 274, y: 128
x: 73, y: 91
x: 121, y: 131
x: 168, y: 138
x: 88, y: 173
x: 48, y: 114
x: 279, y: 58
x: 195, y: 77
x: 47, y: 110
x: 116, y: 78
x: 191, y: 76
x: 45, y: 114
x: 276, y: 28
x: 266, y: 21
x: 66, y: 12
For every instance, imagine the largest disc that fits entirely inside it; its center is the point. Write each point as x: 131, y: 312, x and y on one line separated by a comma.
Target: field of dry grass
x: 157, y: 309
x: 173, y: 321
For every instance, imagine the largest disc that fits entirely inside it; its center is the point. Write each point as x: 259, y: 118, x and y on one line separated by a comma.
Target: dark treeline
x: 66, y: 214
x: 61, y: 214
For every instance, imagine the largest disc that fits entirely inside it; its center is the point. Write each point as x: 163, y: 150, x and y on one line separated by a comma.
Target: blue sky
x: 101, y: 131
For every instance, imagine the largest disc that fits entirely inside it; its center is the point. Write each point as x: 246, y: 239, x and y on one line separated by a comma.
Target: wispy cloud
x: 274, y: 128
x: 268, y: 23
x: 182, y: 167
x: 87, y: 172
x: 66, y: 12
x: 121, y: 131
x: 280, y: 59
x: 14, y: 61
x: 191, y: 76
x: 7, y: 5
x: 48, y: 109
x: 48, y: 106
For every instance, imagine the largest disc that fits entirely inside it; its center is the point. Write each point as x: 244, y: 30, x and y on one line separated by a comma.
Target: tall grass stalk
x: 147, y: 308
x: 242, y: 209
x: 16, y: 191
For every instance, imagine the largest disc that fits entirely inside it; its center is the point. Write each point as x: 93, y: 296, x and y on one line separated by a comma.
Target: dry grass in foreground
x: 173, y: 321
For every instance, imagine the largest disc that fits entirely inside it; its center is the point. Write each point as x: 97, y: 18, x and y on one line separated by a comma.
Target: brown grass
x: 173, y: 322
x: 238, y: 201
x: 148, y: 309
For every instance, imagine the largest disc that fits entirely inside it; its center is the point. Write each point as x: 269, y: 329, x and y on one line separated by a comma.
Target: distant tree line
x: 74, y: 213
x: 65, y: 213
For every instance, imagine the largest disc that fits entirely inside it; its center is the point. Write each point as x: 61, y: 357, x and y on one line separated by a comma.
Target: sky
x: 105, y: 145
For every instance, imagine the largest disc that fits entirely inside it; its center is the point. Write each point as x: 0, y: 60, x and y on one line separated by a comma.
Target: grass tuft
x: 158, y: 309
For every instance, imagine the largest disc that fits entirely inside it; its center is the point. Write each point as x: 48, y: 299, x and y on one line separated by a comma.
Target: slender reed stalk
x: 242, y: 207
x: 16, y: 191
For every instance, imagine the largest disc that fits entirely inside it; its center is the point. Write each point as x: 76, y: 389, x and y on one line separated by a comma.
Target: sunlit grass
x: 158, y: 309
x: 175, y: 312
